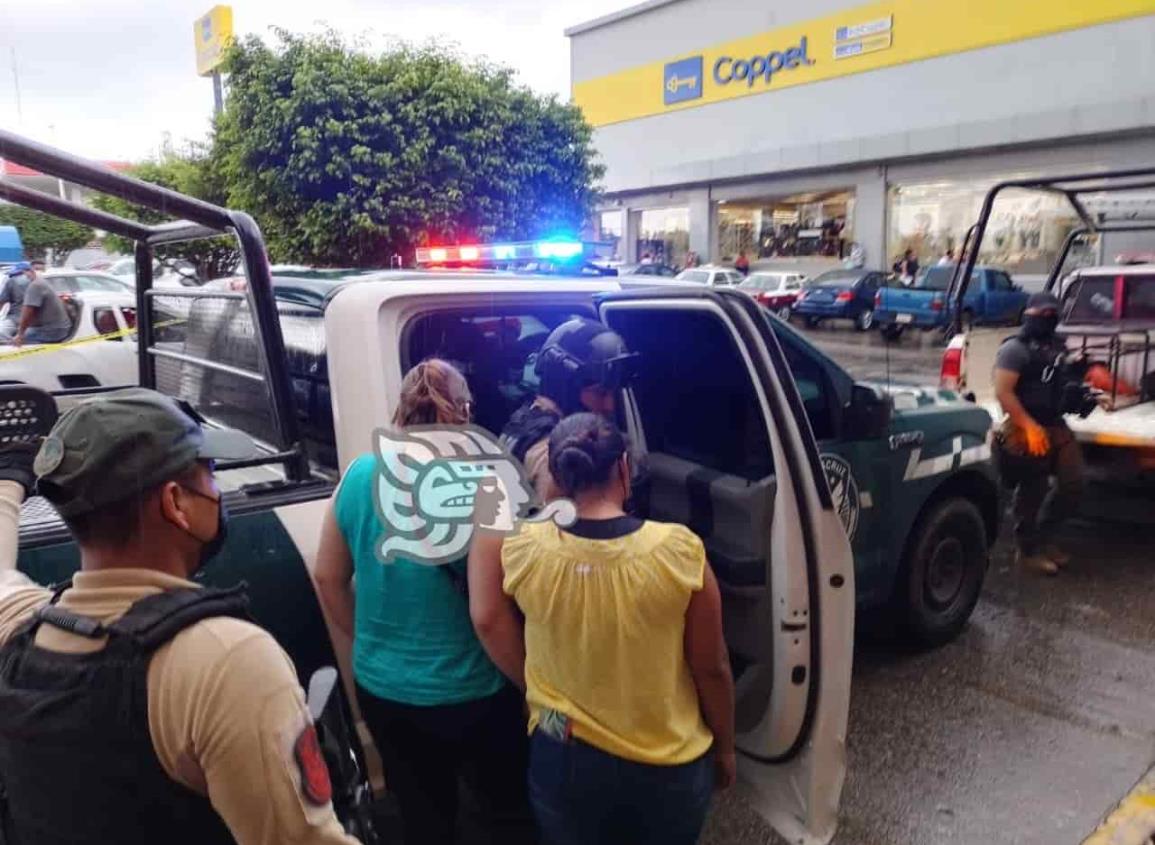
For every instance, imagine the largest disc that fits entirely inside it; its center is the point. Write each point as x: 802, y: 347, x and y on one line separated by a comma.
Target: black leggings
x: 427, y: 751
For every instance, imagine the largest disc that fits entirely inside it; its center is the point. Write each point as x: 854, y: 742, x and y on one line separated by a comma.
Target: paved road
x: 1026, y: 729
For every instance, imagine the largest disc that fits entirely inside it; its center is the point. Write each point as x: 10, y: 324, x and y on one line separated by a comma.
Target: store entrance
x: 811, y: 230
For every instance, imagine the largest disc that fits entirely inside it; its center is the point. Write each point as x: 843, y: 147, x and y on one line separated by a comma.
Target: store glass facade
x: 609, y: 231
x: 1025, y: 235
x: 663, y: 235
x: 818, y: 225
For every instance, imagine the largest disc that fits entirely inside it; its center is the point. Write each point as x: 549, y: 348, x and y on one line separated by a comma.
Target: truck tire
x: 784, y: 313
x: 865, y: 320
x: 968, y: 319
x: 811, y: 322
x: 892, y: 331
x: 942, y: 573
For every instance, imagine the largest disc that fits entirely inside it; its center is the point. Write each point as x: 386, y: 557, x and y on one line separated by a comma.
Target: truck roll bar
x: 1075, y: 188
x: 197, y: 220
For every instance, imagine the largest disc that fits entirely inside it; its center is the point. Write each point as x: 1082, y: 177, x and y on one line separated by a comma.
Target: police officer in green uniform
x: 1034, y: 444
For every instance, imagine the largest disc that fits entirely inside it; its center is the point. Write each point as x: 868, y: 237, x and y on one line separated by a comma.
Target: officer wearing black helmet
x: 1035, y: 385
x: 582, y: 365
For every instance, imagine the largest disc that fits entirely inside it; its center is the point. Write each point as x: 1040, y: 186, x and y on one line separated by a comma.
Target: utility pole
x: 16, y: 83
x: 218, y: 94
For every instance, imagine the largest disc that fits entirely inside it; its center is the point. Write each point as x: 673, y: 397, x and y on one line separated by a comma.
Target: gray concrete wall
x: 1098, y: 81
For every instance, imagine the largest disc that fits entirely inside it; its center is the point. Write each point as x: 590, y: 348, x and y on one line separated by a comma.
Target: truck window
x: 694, y: 392
x: 1000, y: 281
x: 222, y: 331
x: 1090, y: 299
x: 1139, y: 303
x: 495, y: 349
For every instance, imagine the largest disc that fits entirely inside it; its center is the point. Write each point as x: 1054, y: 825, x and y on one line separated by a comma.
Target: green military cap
x: 117, y: 445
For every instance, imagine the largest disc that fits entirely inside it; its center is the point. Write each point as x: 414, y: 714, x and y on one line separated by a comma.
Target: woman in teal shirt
x: 436, y: 706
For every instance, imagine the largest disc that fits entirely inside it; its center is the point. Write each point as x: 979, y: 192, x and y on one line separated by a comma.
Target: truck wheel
x: 1019, y: 317
x: 864, y: 320
x: 968, y: 320
x: 811, y: 322
x: 892, y: 332
x: 943, y: 571
x: 784, y: 313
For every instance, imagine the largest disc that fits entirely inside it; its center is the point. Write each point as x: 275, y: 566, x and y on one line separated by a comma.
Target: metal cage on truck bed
x: 193, y: 220
x: 1077, y: 189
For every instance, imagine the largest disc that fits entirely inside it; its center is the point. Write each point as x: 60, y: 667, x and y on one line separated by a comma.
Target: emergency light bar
x: 523, y: 251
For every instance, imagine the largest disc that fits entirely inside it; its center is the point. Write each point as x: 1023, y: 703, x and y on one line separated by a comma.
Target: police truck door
x: 728, y: 452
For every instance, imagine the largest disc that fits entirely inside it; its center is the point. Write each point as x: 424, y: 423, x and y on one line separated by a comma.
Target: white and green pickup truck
x: 814, y: 495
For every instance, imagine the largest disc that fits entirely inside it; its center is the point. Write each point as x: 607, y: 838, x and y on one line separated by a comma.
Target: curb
x: 1132, y: 822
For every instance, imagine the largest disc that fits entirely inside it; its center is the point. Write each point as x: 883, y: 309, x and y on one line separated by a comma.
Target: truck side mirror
x: 868, y: 414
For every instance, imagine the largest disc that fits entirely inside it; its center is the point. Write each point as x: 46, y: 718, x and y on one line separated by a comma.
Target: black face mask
x: 1040, y: 326
x: 212, y: 547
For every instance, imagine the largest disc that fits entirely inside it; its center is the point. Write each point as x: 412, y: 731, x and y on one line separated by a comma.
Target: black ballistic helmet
x: 580, y: 353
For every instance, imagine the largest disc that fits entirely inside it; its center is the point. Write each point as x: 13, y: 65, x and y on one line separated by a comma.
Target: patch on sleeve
x: 315, y: 781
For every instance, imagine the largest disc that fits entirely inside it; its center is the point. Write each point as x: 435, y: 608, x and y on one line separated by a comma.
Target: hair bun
x: 583, y: 450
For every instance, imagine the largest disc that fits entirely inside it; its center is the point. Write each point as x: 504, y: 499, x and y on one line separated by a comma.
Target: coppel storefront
x: 795, y: 129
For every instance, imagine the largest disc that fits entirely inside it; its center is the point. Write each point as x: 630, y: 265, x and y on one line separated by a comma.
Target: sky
x: 107, y: 79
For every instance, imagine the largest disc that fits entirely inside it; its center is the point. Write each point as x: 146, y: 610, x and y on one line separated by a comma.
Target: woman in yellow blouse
x: 627, y: 678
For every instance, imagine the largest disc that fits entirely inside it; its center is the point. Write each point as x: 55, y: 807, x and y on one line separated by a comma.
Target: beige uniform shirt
x: 225, y: 707
x: 537, y: 459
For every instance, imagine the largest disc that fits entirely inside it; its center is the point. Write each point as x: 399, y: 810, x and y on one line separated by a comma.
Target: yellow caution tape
x: 1133, y: 820
x: 52, y: 347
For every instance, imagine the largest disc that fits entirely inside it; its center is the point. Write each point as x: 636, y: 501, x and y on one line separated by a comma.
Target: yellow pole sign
x: 213, y: 33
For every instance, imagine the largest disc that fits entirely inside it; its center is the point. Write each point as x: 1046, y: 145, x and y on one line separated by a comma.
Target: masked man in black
x: 1034, y: 443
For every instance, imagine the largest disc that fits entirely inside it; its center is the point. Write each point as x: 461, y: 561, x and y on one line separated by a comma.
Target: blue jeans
x: 36, y: 334
x: 584, y: 796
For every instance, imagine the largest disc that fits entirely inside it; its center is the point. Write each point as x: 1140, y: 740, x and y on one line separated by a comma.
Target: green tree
x: 349, y: 158
x: 41, y: 232
x: 195, y: 173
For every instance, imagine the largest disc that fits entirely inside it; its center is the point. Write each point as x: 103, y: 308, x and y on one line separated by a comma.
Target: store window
x: 812, y: 225
x: 663, y: 235
x: 1025, y: 234
x: 609, y: 232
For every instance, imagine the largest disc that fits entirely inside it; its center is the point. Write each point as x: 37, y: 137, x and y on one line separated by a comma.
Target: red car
x: 775, y: 290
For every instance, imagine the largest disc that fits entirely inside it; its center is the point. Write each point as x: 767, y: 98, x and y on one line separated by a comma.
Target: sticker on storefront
x: 843, y: 490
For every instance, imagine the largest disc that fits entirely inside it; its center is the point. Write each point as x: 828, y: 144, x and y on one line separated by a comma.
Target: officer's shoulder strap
x: 156, y: 619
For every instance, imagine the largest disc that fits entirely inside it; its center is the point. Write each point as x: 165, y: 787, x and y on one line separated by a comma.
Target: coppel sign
x: 760, y: 68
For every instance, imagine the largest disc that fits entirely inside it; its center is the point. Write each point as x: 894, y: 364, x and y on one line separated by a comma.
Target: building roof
x: 614, y: 17
x: 11, y: 168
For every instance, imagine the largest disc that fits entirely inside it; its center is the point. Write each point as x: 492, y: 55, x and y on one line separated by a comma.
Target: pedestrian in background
x: 437, y: 708
x: 16, y: 281
x: 742, y: 264
x: 631, y: 701
x: 1034, y: 443
x: 906, y: 267
x: 947, y: 258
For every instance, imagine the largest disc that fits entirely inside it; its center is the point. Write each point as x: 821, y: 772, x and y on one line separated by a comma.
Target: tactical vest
x: 1042, y: 380
x: 528, y: 425
x: 77, y: 763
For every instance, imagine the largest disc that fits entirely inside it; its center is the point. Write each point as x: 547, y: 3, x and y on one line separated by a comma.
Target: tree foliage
x: 196, y: 173
x: 41, y: 232
x: 349, y: 158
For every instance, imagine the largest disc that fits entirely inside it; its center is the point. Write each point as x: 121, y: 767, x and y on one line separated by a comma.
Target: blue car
x: 840, y: 295
x: 992, y: 297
